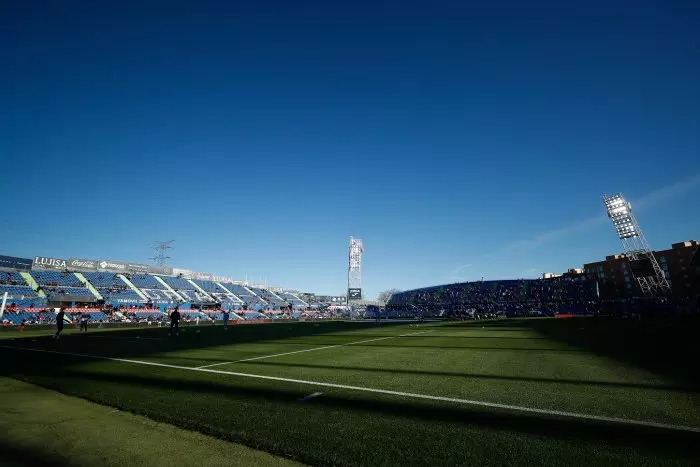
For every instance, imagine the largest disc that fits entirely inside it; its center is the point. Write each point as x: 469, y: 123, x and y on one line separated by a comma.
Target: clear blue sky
x: 458, y: 139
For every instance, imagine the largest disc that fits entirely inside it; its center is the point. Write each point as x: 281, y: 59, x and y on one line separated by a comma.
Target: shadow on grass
x: 147, y: 341
x: 429, y: 346
x: 15, y: 456
x: 610, y: 384
x: 664, y: 349
x: 661, y: 440
x: 66, y: 373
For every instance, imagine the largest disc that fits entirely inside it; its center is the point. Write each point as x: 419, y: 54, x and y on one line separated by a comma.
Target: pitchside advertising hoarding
x: 354, y: 294
x: 13, y: 262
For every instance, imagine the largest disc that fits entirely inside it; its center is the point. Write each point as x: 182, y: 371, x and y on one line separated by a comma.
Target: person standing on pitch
x: 225, y: 320
x: 59, y: 322
x: 84, y: 321
x: 175, y: 321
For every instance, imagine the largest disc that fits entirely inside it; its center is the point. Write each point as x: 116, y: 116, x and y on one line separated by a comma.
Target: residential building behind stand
x: 616, y: 282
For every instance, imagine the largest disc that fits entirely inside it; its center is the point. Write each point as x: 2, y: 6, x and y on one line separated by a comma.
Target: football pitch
x: 499, y: 392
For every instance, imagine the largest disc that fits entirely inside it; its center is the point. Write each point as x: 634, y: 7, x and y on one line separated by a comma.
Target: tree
x: 384, y: 296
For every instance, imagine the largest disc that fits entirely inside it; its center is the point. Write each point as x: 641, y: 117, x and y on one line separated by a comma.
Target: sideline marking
x: 516, y: 408
x: 315, y: 348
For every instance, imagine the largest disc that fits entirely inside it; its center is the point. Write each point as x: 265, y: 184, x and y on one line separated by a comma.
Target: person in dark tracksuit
x: 59, y: 322
x: 175, y: 322
x: 84, y: 321
x: 226, y: 319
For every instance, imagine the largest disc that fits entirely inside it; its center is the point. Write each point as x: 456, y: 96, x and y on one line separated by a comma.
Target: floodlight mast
x: 635, y: 244
x: 354, y: 292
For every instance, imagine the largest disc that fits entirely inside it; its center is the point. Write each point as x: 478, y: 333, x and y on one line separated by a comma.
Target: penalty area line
x: 410, y: 395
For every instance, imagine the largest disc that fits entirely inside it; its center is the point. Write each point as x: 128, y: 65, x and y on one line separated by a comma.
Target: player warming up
x: 59, y: 322
x: 225, y: 320
x: 175, y: 322
x: 84, y: 321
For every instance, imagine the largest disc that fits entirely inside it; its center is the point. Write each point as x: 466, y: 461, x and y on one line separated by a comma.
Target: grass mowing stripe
x: 558, y: 413
x: 315, y: 348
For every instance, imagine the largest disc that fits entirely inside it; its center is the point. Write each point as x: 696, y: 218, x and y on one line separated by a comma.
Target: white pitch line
x: 516, y: 408
x: 315, y: 348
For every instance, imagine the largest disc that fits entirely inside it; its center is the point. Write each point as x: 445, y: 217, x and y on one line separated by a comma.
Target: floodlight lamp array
x: 620, y: 212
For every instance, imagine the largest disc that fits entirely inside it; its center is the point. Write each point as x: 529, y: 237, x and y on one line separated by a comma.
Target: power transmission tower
x: 162, y: 252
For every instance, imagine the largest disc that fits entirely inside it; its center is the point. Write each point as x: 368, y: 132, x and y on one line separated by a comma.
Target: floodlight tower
x: 645, y: 268
x: 355, y: 271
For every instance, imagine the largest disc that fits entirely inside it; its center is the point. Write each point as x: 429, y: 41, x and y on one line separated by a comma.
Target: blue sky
x: 457, y: 139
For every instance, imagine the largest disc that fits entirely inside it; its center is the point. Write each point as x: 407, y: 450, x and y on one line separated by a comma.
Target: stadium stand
x: 15, y: 291
x: 146, y: 281
x: 221, y: 295
x: 154, y: 290
x: 145, y: 315
x: 296, y: 302
x: 273, y: 300
x: 161, y: 296
x: 19, y: 293
x: 11, y: 278
x: 251, y: 314
x: 508, y: 297
x: 186, y: 290
x: 250, y: 299
x: 56, y: 278
x: 60, y: 283
x: 208, y: 286
x: 112, y: 288
x: 16, y: 316
x: 177, y: 283
x: 27, y: 303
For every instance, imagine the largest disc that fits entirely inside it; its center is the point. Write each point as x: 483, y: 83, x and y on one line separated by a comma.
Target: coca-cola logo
x: 76, y: 263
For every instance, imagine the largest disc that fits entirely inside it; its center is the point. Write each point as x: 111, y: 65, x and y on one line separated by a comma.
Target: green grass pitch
x: 502, y: 392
